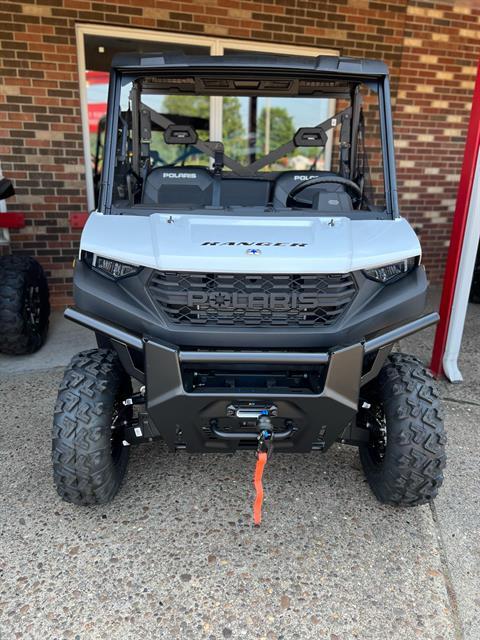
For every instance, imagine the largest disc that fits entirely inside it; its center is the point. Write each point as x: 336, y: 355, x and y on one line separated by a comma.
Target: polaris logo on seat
x: 239, y: 300
x: 253, y: 244
x: 179, y: 175
x: 303, y: 177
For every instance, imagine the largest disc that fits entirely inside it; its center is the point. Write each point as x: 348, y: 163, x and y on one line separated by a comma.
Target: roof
x: 322, y: 64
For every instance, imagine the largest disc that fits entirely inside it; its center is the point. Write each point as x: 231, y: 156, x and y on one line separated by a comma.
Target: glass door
x: 248, y: 127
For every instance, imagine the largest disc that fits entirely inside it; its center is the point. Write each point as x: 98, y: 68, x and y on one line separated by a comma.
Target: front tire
x: 89, y: 458
x: 405, y: 458
x: 24, y: 305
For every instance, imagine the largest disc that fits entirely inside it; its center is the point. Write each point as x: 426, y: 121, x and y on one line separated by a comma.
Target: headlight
x: 111, y: 268
x: 392, y: 272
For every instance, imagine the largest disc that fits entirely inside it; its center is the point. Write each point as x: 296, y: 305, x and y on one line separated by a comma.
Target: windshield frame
x: 119, y: 79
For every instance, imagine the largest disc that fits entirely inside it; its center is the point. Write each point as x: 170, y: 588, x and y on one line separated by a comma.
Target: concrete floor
x: 175, y: 555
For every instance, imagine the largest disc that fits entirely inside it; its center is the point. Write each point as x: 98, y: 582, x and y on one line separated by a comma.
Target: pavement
x: 175, y: 554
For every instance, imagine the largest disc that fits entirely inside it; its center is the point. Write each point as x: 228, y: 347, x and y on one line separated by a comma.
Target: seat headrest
x: 178, y: 185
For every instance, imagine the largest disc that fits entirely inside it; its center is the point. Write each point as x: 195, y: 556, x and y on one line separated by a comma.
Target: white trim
x: 272, y: 47
x: 84, y: 117
x: 134, y: 33
x: 329, y: 145
x: 464, y: 281
x: 216, y: 117
x: 217, y: 47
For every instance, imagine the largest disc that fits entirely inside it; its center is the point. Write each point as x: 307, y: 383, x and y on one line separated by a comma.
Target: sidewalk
x: 175, y: 555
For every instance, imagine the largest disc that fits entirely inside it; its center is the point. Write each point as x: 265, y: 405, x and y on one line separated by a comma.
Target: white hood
x: 224, y: 244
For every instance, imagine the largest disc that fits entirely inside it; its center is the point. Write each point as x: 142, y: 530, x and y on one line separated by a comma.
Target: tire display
x: 24, y: 305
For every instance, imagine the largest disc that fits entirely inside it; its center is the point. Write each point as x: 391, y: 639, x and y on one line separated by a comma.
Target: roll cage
x: 324, y: 76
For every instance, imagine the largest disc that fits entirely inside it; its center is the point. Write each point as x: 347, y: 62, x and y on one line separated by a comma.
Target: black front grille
x: 222, y: 299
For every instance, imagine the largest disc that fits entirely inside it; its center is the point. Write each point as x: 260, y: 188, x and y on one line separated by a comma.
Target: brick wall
x: 436, y: 79
x: 432, y: 49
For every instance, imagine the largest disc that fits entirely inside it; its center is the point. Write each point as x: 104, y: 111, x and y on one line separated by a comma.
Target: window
x: 252, y: 127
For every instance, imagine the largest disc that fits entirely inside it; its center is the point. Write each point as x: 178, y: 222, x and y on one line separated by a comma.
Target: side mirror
x: 6, y: 188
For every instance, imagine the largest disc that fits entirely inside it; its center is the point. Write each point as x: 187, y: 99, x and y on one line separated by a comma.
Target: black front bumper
x: 374, y: 308
x: 314, y: 412
x: 193, y: 419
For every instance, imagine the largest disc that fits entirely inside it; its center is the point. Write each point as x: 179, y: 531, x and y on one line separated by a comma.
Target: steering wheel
x: 298, y: 188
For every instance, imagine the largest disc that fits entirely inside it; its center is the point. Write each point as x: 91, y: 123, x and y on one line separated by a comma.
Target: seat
x: 289, y: 179
x: 179, y: 186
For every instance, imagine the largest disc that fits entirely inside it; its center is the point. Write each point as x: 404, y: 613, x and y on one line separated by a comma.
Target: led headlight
x: 391, y: 272
x: 113, y: 268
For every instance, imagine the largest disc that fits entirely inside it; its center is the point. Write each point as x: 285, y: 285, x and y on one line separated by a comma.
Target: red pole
x: 458, y: 230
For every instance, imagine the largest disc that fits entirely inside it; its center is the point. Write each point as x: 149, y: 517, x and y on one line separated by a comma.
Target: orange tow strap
x: 257, y: 481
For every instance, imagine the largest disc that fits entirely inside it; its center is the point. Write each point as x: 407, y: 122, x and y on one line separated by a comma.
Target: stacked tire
x: 24, y: 305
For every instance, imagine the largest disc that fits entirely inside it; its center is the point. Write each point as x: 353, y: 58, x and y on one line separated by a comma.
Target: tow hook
x: 264, y: 451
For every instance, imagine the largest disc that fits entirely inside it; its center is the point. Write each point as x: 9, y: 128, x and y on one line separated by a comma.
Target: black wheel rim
x: 121, y: 418
x: 374, y: 420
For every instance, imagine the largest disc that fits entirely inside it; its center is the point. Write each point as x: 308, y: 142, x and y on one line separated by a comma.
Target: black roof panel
x: 250, y: 61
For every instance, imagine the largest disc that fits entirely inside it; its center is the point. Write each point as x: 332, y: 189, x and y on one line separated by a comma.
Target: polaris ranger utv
x: 252, y: 302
